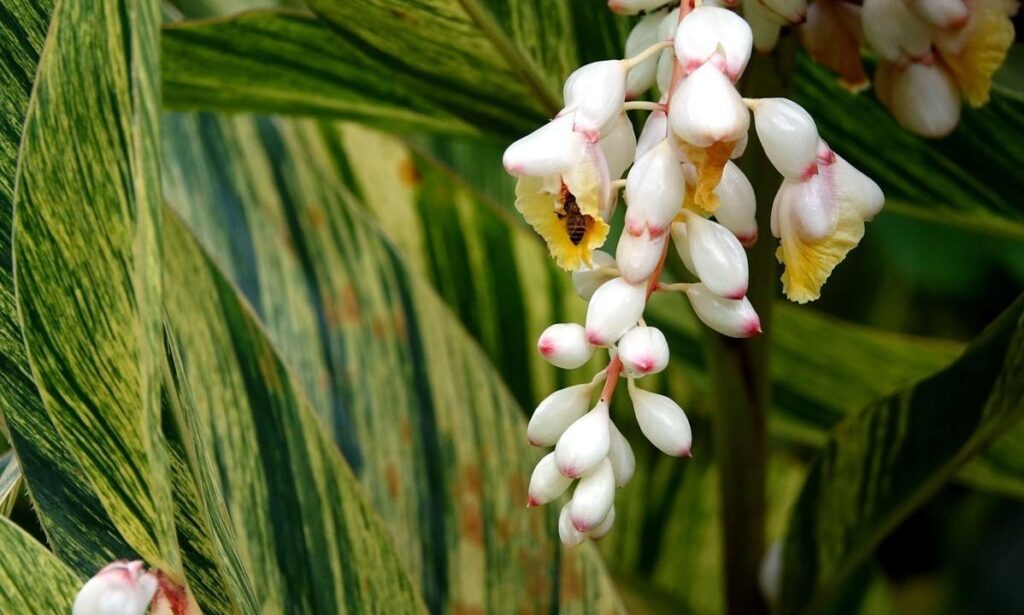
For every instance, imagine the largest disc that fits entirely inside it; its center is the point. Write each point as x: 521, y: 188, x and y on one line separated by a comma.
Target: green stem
x: 740, y: 372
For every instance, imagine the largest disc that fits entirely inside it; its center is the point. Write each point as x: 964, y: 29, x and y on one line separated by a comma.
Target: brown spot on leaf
x: 409, y: 173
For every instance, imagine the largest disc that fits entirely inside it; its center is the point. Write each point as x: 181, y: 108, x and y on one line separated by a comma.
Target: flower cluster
x: 121, y: 588
x: 682, y: 188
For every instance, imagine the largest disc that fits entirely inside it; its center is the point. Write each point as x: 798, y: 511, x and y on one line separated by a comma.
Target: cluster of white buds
x: 682, y: 188
x: 120, y: 588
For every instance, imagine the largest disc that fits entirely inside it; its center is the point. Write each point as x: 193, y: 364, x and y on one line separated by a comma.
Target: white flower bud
x: 554, y: 415
x: 585, y: 443
x: 662, y: 421
x: 790, y: 11
x: 643, y: 350
x: 569, y: 535
x: 924, y: 99
x: 706, y: 109
x: 614, y: 309
x: 894, y: 31
x: 546, y: 482
x: 121, y: 588
x: 655, y: 131
x: 737, y: 205
x: 606, y: 526
x: 595, y: 93
x: 788, y: 136
x: 717, y: 256
x: 643, y: 35
x: 546, y: 151
x: 731, y: 317
x: 620, y: 453
x: 765, y: 25
x: 619, y: 145
x: 593, y: 497
x: 667, y: 58
x: 942, y: 13
x: 654, y: 190
x: 565, y: 345
x: 632, y: 7
x: 682, y: 243
x: 638, y: 255
x: 769, y: 574
x: 586, y: 280
x: 712, y: 34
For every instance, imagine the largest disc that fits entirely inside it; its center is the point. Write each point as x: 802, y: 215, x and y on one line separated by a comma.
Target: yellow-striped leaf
x: 32, y: 579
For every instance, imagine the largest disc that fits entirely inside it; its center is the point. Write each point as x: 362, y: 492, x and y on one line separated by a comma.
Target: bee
x: 575, y: 222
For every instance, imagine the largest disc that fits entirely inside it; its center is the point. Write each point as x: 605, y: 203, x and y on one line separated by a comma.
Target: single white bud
x: 895, y: 31
x: 731, y: 317
x: 565, y: 345
x: 655, y: 131
x: 606, y: 526
x: 737, y: 205
x: 682, y: 243
x: 549, y: 150
x: 788, y: 135
x: 619, y: 145
x: 546, y: 482
x: 121, y: 588
x: 654, y: 190
x: 924, y: 99
x: 706, y: 109
x: 594, y: 93
x: 643, y: 350
x: 638, y: 255
x: 614, y: 308
x: 593, y: 497
x: 586, y: 280
x: 667, y: 58
x: 946, y: 14
x: 632, y: 7
x: 716, y: 35
x: 620, y: 453
x: 554, y: 415
x: 644, y: 34
x: 585, y: 443
x: 569, y: 535
x: 765, y: 25
x: 717, y: 256
x: 769, y: 574
x: 662, y: 421
x: 790, y: 11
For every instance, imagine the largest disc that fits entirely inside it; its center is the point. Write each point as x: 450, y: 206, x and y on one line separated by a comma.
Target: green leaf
x: 882, y: 463
x: 32, y: 579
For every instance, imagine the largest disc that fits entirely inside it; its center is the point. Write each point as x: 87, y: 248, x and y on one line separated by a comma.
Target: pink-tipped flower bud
x: 614, y: 309
x: 121, y: 588
x: 585, y: 443
x: 594, y: 94
x: 619, y: 145
x: 569, y: 535
x: 707, y: 109
x: 606, y: 526
x: 788, y: 136
x: 546, y: 482
x: 593, y: 497
x: 586, y: 280
x: 558, y: 410
x: 716, y: 35
x: 638, y: 255
x: 895, y: 31
x: 654, y: 132
x: 731, y: 317
x: 654, y: 190
x: 737, y: 205
x: 942, y: 13
x: 643, y: 350
x: 662, y: 421
x: 925, y: 100
x: 620, y: 453
x: 632, y: 7
x: 549, y: 150
x: 565, y: 345
x: 790, y: 11
x: 644, y: 34
x: 718, y: 257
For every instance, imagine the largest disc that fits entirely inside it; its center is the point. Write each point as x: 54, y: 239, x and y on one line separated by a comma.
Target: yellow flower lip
x: 568, y: 221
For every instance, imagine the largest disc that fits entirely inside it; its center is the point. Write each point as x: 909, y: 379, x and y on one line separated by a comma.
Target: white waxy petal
x: 741, y: 146
x: 925, y: 100
x: 593, y: 497
x: 809, y: 204
x: 614, y: 309
x: 644, y: 34
x: 632, y: 7
x: 790, y: 11
x: 737, y: 205
x: 546, y: 482
x: 857, y: 189
x: 121, y: 588
x: 596, y: 93
x: 709, y: 31
x: 717, y: 256
x: 565, y: 345
x: 569, y: 535
x: 643, y: 350
x: 765, y: 25
x: 586, y: 280
x: 654, y: 190
x: 667, y: 58
x: 606, y: 526
x: 655, y: 131
x: 682, y: 244
x: 549, y: 150
x: 731, y: 317
x: 554, y: 415
x: 769, y: 574
x: 706, y: 109
x: 942, y: 13
x: 894, y: 31
x: 619, y: 146
x: 788, y: 135
x: 638, y: 255
x: 662, y: 421
x: 585, y: 443
x: 620, y: 453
